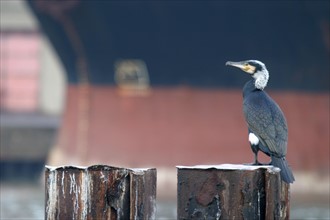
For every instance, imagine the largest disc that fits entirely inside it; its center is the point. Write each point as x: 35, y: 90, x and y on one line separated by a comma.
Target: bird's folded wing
x: 267, y: 126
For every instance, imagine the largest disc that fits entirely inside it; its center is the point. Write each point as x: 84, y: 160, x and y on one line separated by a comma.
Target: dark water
x: 27, y: 202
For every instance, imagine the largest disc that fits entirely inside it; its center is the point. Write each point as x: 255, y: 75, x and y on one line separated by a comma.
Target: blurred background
x: 143, y: 84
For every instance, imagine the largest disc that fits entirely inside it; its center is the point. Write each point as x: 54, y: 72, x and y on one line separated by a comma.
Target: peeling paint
x: 136, y: 199
x: 75, y: 191
x: 102, y: 177
x: 152, y: 200
x: 218, y: 213
x: 62, y: 184
x: 258, y: 204
x: 85, y: 194
x: 52, y: 194
x: 72, y: 180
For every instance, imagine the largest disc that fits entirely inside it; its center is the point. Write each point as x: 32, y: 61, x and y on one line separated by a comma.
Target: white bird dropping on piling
x: 231, y: 167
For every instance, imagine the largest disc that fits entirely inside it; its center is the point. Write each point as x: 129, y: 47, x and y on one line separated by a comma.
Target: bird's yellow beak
x: 243, y: 65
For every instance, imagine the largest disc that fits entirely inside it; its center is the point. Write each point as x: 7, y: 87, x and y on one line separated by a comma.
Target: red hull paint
x: 185, y: 126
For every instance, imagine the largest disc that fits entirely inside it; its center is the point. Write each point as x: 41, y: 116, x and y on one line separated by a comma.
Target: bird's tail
x: 286, y: 173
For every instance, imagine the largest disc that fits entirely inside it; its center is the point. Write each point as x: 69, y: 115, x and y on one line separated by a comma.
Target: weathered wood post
x: 232, y: 192
x: 100, y: 192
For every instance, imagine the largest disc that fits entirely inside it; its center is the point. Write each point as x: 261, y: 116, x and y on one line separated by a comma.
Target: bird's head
x: 256, y: 69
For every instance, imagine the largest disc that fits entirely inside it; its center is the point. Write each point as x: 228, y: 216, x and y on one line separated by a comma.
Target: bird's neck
x: 261, y: 79
x: 249, y: 88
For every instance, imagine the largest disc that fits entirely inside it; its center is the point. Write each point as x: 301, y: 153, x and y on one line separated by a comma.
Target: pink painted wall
x: 20, y: 70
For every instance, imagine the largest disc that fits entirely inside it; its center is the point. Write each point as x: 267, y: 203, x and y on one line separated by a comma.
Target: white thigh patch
x: 253, y: 139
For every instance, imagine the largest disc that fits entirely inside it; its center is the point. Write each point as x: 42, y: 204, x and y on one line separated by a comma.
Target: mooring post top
x: 97, y: 167
x: 270, y: 168
x: 52, y: 168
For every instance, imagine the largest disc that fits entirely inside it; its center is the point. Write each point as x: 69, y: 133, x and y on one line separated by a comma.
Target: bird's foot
x: 257, y: 163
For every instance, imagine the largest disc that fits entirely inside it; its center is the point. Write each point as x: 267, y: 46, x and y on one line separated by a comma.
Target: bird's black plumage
x: 265, y: 118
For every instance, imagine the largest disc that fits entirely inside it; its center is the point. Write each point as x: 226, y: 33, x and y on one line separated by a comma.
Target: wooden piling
x: 100, y: 192
x: 231, y: 191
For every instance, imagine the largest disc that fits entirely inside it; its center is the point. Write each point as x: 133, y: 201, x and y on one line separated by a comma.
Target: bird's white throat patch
x: 261, y: 79
x: 253, y: 139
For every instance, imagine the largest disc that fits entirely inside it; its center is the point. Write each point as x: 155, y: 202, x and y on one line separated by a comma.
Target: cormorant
x: 268, y: 131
